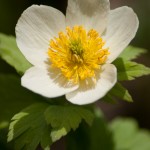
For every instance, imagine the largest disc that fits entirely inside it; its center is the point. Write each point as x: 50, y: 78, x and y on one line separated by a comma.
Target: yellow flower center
x: 78, y: 53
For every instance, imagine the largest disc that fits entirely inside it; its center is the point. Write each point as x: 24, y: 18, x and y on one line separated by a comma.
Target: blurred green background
x: 10, y: 11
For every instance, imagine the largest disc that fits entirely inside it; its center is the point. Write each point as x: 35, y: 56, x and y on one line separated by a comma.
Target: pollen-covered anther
x: 78, y: 53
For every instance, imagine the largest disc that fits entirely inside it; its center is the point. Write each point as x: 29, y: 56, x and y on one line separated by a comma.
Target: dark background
x: 10, y: 11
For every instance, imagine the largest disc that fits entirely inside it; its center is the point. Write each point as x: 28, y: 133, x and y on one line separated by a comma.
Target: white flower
x: 71, y: 55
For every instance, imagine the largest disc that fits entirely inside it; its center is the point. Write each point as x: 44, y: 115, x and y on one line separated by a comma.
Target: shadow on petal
x: 58, y: 78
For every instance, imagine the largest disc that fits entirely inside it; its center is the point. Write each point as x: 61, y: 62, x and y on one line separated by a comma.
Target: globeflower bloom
x: 72, y: 55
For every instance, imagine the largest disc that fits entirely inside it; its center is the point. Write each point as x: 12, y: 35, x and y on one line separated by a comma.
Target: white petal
x: 36, y: 26
x: 122, y: 27
x: 86, y: 95
x: 46, y: 83
x: 92, y: 14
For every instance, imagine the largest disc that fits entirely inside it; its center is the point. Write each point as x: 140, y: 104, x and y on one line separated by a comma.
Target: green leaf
x: 11, y: 54
x: 58, y: 133
x: 29, y: 128
x: 4, y: 124
x: 128, y: 70
x: 131, y: 53
x: 96, y: 137
x: 127, y: 135
x: 120, y: 92
x: 100, y: 134
x: 64, y: 118
x: 43, y: 124
x: 13, y: 97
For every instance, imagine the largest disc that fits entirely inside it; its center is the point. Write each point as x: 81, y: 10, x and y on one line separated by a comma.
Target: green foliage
x: 131, y: 53
x: 96, y: 137
x: 64, y: 118
x: 119, y: 92
x: 13, y: 97
x: 128, y: 70
x: 29, y: 128
x: 121, y: 134
x: 11, y: 54
x: 4, y: 124
x: 100, y: 134
x: 42, y: 124
x: 127, y: 135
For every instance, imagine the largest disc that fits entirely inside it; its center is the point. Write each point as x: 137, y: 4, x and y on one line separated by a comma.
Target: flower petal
x: 45, y: 83
x: 89, y: 13
x: 122, y: 27
x: 85, y: 95
x: 36, y: 26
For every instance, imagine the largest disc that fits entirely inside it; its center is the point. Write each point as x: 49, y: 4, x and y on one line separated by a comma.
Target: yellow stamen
x: 78, y: 53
